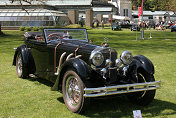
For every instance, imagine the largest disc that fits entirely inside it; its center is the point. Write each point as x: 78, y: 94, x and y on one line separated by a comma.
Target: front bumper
x: 119, y: 89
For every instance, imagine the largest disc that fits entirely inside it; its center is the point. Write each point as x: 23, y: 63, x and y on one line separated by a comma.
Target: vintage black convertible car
x: 83, y: 70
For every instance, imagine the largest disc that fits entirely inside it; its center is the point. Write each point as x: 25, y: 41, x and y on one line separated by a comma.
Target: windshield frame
x: 69, y: 29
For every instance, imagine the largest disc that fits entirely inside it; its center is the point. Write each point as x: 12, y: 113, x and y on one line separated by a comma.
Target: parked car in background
x: 173, y: 28
x: 82, y: 70
x: 125, y: 24
x: 135, y: 27
x: 171, y: 24
x: 116, y: 26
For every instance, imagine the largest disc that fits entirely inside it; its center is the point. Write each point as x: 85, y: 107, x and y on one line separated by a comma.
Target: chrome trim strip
x: 61, y: 59
x: 119, y: 89
x: 60, y: 62
x: 79, y: 56
x: 69, y: 56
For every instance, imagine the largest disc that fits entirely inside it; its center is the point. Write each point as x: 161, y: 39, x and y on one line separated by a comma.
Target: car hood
x: 85, y: 49
x: 81, y: 47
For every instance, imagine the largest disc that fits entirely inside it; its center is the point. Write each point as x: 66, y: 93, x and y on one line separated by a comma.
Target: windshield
x: 65, y: 34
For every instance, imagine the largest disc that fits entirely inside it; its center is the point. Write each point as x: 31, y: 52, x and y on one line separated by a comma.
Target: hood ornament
x: 105, y: 44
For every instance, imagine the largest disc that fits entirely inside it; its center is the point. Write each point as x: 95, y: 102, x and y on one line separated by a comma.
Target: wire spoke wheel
x: 19, y: 65
x: 73, y: 92
x: 20, y: 69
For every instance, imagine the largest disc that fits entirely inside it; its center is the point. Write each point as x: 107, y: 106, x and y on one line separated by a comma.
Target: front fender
x: 145, y: 63
x: 90, y: 77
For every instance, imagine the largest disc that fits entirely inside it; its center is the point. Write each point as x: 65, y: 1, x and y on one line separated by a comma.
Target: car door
x: 40, y: 54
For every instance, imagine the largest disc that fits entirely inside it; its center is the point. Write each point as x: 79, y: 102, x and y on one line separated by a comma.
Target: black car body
x: 83, y: 70
x: 125, y: 24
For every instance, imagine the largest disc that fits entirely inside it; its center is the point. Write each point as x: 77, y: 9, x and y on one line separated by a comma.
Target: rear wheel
x: 145, y: 97
x: 73, y: 91
x: 20, y: 68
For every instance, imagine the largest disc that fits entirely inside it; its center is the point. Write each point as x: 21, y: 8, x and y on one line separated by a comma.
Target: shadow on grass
x: 60, y: 99
x: 120, y: 107
x: 38, y: 80
x: 117, y: 107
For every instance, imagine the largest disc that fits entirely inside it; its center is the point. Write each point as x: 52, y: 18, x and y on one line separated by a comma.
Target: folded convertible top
x: 32, y: 35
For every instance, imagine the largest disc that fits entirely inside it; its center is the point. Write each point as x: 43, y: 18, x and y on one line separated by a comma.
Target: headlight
x: 96, y: 58
x: 126, y: 57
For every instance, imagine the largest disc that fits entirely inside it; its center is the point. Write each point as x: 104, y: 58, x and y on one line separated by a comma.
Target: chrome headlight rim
x: 126, y: 57
x: 93, y: 58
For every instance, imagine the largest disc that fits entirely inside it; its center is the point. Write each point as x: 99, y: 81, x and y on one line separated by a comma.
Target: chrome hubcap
x: 72, y: 90
x: 19, y: 66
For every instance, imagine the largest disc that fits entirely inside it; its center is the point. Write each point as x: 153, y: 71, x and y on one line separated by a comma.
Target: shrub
x: 88, y: 28
x: 58, y: 26
x: 107, y: 25
x: 41, y: 28
x: 22, y: 28
x: 35, y: 28
x: 28, y: 28
x: 73, y: 26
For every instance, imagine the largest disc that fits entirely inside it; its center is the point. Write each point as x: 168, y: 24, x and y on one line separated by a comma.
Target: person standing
x: 82, y: 21
x: 97, y: 24
x: 102, y: 24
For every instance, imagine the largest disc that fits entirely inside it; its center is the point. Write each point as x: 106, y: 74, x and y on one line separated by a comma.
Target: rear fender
x: 27, y: 58
x: 89, y: 76
x: 23, y: 50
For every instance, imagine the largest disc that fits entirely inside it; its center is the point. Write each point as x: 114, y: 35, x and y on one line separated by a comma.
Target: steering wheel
x: 54, y: 36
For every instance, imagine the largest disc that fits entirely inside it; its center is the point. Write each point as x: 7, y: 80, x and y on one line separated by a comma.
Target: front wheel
x: 73, y: 91
x: 145, y: 97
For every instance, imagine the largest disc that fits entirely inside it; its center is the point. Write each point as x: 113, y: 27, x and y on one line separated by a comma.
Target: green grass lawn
x: 32, y: 98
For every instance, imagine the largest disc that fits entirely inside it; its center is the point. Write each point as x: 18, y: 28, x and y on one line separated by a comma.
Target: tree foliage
x: 154, y: 5
x: 1, y: 33
x: 29, y: 2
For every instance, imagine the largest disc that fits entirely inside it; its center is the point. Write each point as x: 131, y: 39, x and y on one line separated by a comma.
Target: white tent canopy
x: 116, y: 17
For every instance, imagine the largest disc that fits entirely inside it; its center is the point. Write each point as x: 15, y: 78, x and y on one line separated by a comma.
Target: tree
x: 1, y: 33
x: 153, y: 5
x: 172, y: 4
x: 30, y: 2
x: 134, y: 4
